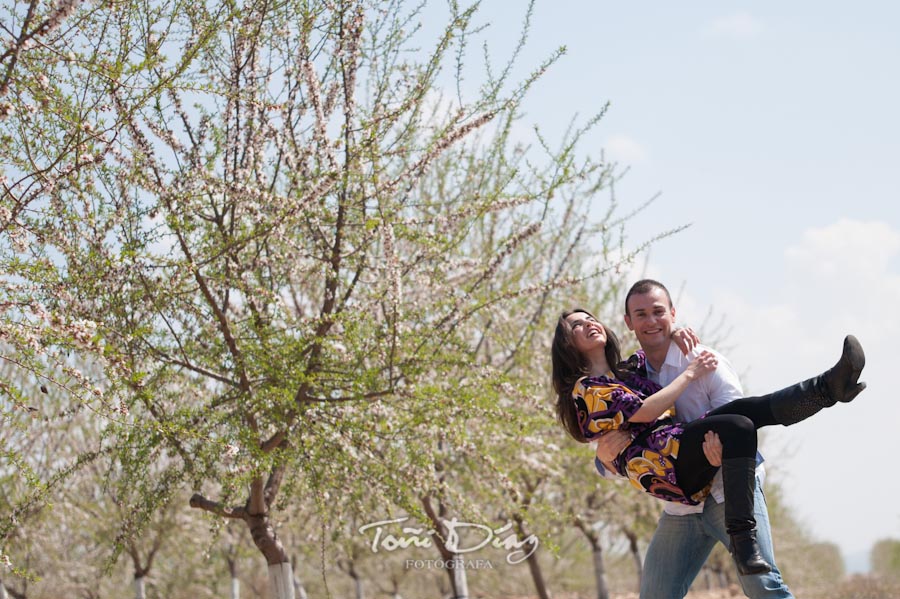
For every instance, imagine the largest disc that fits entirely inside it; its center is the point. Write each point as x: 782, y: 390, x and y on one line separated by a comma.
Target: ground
x: 856, y: 587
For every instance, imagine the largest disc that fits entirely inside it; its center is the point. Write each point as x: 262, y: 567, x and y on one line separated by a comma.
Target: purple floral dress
x: 605, y: 403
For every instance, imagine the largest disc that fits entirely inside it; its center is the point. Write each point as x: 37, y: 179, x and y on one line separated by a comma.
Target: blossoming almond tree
x: 284, y: 246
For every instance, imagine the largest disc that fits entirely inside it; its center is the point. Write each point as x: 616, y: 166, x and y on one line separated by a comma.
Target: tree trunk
x: 255, y: 513
x: 635, y: 555
x: 533, y: 564
x: 281, y: 574
x: 539, y: 584
x: 458, y: 578
x: 266, y: 540
x: 442, y: 590
x: 459, y: 583
x: 299, y: 589
x: 13, y: 592
x: 349, y: 566
x: 235, y: 582
x: 597, y: 555
x: 142, y: 567
x: 599, y: 568
x: 139, y: 588
x: 707, y: 577
x: 2, y: 590
x: 281, y: 581
x: 395, y: 588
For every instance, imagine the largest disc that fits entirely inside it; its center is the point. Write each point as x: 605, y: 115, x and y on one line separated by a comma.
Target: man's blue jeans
x: 681, y: 544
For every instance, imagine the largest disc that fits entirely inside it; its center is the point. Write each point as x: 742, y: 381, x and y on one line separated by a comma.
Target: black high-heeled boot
x: 841, y: 380
x: 745, y: 551
x: 739, y: 481
x: 839, y: 383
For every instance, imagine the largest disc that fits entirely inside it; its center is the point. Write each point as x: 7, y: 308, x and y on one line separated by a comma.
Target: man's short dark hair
x: 645, y: 286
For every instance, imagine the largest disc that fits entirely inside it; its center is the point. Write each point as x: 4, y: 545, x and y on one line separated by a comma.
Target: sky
x: 771, y: 128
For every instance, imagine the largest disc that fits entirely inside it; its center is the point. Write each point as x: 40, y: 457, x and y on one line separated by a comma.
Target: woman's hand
x: 686, y: 339
x: 704, y: 363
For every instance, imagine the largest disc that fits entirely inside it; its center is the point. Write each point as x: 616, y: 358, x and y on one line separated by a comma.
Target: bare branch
x: 200, y: 502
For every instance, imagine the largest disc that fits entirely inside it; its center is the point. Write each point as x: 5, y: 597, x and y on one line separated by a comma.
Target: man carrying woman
x: 626, y: 407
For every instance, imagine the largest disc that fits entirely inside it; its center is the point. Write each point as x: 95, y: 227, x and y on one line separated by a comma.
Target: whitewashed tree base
x: 235, y: 588
x: 139, y: 592
x: 281, y: 581
x: 461, y: 581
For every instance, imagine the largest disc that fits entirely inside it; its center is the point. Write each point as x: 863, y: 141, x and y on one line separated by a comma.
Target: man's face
x: 651, y: 317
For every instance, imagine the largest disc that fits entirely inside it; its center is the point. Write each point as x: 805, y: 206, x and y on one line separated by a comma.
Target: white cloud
x: 740, y: 25
x: 860, y: 250
x: 624, y: 149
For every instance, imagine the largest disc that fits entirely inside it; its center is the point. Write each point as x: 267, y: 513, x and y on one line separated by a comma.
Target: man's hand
x: 686, y: 339
x: 609, y: 445
x: 712, y: 448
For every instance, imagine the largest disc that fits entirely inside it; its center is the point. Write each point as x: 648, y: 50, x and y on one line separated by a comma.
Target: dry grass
x: 856, y: 587
x: 862, y: 587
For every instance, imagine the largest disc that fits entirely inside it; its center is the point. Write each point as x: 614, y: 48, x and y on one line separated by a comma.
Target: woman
x: 596, y: 392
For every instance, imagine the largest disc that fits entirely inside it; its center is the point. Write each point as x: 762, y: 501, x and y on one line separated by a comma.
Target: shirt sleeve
x: 603, y: 471
x: 604, y: 406
x: 724, y: 387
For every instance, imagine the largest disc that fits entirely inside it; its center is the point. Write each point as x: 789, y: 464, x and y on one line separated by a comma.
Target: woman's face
x: 587, y: 332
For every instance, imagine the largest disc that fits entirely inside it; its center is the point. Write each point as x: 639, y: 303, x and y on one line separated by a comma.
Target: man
x: 685, y: 534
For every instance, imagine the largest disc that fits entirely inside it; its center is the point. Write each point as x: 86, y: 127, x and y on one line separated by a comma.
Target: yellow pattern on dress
x: 652, y: 462
x: 597, y: 399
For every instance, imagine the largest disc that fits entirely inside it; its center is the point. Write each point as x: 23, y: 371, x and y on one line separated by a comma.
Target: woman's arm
x: 662, y: 400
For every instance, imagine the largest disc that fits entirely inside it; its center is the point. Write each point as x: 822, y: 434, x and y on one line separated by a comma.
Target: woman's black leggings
x: 735, y: 423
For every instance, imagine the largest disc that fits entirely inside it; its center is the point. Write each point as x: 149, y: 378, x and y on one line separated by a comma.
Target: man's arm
x: 712, y: 448
x: 609, y: 445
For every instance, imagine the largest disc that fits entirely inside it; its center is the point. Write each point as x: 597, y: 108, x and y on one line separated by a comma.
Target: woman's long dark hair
x: 569, y: 365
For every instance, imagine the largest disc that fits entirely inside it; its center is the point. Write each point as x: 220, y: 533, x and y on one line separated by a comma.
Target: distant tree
x: 885, y: 559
